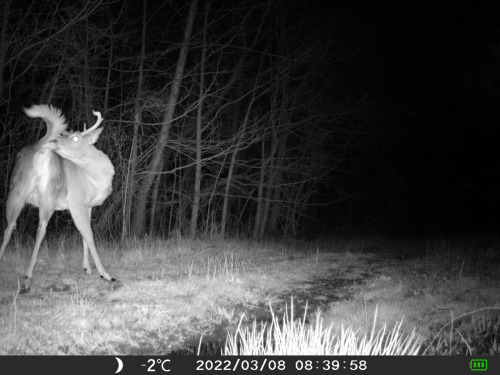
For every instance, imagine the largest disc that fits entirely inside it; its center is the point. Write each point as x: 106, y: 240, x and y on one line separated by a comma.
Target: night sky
x: 432, y: 72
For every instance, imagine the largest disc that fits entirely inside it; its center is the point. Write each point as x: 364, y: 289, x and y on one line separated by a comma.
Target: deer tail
x: 53, y: 117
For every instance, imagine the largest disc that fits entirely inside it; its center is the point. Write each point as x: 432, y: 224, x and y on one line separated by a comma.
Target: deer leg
x: 40, y: 235
x: 82, y: 222
x: 86, y: 263
x: 14, y: 207
x: 6, y: 236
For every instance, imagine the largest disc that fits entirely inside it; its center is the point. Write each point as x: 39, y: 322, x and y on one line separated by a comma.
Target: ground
x: 183, y: 296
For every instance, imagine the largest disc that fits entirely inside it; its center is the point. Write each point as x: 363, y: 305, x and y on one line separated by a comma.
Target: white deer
x: 62, y: 171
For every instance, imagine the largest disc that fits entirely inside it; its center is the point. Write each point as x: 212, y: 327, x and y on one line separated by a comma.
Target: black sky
x: 432, y: 73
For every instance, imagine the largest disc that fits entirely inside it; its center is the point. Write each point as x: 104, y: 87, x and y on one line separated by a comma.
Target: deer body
x: 62, y: 171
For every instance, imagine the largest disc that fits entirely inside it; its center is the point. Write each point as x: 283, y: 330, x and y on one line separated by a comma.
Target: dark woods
x: 219, y: 118
x: 248, y: 118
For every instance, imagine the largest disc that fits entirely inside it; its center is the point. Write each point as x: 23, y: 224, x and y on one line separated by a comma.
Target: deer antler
x: 97, y: 123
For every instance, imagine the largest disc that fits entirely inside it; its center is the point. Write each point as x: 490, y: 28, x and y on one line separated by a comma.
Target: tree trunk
x: 3, y: 41
x: 277, y: 204
x: 280, y: 133
x: 130, y: 183
x: 231, y: 168
x: 267, y: 200
x: 197, y: 178
x: 154, y: 201
x: 225, y: 204
x: 86, y: 77
x: 157, y: 159
x: 108, y: 77
x: 258, y: 212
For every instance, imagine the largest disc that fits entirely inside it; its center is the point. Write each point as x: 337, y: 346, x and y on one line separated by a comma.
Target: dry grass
x: 177, y: 291
x: 290, y: 336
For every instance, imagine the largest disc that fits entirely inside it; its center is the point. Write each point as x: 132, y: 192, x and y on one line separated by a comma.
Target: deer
x: 62, y: 171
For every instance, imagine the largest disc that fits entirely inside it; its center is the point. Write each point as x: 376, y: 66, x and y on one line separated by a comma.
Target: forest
x: 262, y: 118
x: 219, y: 117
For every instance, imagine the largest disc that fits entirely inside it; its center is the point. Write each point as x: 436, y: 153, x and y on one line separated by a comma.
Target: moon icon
x: 120, y: 365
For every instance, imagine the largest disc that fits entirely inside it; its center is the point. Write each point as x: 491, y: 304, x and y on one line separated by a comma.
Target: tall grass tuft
x: 298, y: 337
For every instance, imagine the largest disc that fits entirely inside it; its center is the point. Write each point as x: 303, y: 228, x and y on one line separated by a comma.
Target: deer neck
x: 100, y: 170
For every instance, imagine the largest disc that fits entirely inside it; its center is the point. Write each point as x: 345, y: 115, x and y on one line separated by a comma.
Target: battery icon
x: 478, y: 364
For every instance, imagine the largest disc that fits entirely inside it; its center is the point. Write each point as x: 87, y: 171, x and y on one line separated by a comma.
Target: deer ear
x: 93, y: 136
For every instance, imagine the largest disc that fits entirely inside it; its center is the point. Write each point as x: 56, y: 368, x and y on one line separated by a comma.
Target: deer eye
x: 75, y: 138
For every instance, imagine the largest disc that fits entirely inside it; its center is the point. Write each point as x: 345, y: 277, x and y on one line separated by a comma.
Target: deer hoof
x: 111, y: 279
x: 25, y: 288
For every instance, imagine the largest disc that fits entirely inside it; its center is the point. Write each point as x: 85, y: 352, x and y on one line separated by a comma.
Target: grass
x: 436, y: 297
x: 296, y: 337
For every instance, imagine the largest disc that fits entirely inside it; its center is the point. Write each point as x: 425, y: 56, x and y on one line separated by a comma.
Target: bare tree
x: 130, y: 179
x: 228, y: 131
x: 156, y: 163
x: 197, y: 178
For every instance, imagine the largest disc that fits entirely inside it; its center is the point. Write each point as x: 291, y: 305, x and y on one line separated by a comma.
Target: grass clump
x: 299, y: 337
